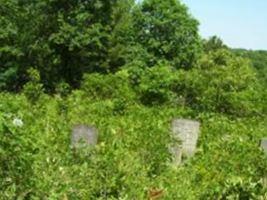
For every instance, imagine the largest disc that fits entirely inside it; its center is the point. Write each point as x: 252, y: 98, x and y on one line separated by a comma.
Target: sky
x: 239, y: 23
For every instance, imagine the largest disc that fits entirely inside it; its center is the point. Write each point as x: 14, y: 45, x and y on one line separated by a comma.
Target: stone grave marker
x: 264, y: 145
x: 187, y: 132
x: 83, y: 135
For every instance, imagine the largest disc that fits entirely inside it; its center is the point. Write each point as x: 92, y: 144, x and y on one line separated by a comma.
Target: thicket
x: 128, y: 69
x: 258, y: 60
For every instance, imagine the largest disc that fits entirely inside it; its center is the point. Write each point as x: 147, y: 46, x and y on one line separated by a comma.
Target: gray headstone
x: 176, y: 152
x: 83, y: 135
x: 264, y: 145
x: 187, y: 132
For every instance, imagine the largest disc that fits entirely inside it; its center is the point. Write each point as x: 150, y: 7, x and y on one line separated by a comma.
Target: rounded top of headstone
x: 185, y: 121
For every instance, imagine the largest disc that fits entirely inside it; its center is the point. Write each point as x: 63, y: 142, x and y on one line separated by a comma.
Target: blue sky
x: 240, y: 23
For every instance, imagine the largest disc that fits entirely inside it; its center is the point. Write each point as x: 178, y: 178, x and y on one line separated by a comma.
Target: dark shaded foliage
x: 65, y: 39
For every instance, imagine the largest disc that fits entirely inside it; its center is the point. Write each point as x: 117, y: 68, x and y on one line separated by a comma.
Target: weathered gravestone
x: 263, y: 145
x: 187, y: 132
x: 83, y: 135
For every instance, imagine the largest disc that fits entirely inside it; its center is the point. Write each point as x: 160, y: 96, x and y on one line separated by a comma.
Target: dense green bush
x: 107, y: 86
x: 33, y: 89
x: 258, y: 60
x: 15, y: 157
x: 223, y: 83
x: 156, y: 85
x: 131, y: 156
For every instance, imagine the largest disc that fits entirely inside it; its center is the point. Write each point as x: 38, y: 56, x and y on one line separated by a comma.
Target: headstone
x: 264, y: 145
x: 187, y: 132
x: 83, y: 135
x: 176, y: 152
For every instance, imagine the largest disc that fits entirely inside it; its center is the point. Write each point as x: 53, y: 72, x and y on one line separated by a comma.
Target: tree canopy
x: 65, y: 39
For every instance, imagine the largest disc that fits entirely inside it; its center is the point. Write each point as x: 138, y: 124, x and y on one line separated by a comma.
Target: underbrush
x: 132, y: 110
x: 131, y: 157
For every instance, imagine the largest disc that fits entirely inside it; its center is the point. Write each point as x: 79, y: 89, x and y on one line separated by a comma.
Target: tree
x: 258, y: 60
x: 224, y: 83
x: 10, y: 51
x: 213, y: 43
x: 89, y: 37
x: 168, y: 32
x: 62, y: 39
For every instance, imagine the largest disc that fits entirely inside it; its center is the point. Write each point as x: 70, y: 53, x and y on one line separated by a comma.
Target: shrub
x: 222, y: 83
x: 156, y: 85
x: 33, y: 89
x: 98, y: 86
x: 16, y: 157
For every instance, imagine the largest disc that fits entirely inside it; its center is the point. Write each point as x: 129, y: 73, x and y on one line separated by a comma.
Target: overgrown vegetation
x: 127, y: 69
x: 258, y: 60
